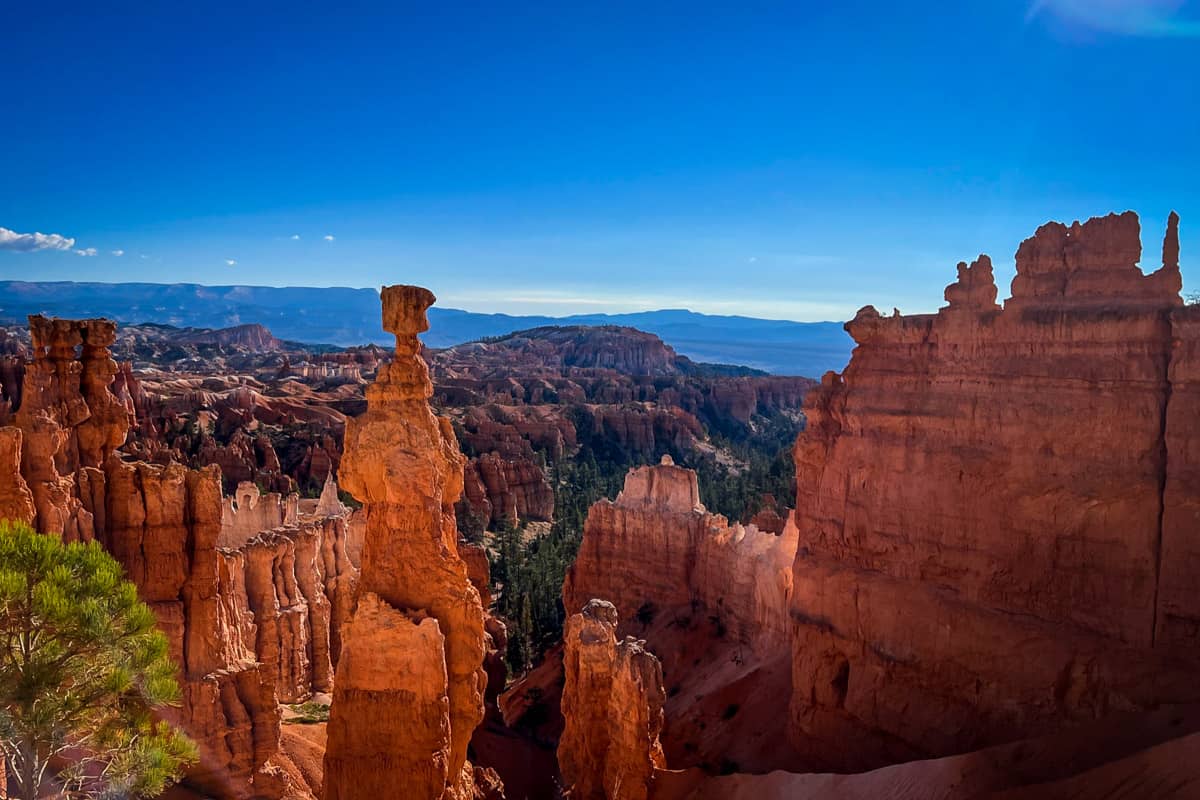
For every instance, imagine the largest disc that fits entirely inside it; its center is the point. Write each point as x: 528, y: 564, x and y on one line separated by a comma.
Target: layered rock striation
x: 407, y: 727
x: 997, y: 508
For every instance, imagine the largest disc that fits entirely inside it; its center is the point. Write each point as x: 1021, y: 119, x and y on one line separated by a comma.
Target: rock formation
x: 16, y: 501
x: 508, y: 489
x: 248, y: 512
x: 406, y: 727
x: 657, y: 550
x: 535, y: 398
x: 162, y: 524
x: 997, y: 509
x: 711, y: 598
x: 299, y: 588
x: 613, y: 705
x: 70, y: 422
x: 248, y: 624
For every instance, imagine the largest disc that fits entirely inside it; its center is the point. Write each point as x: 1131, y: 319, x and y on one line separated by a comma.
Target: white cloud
x: 143, y: 256
x: 87, y: 251
x: 118, y: 252
x: 29, y: 242
x: 231, y: 261
x: 1122, y: 17
x: 295, y: 237
x: 329, y: 237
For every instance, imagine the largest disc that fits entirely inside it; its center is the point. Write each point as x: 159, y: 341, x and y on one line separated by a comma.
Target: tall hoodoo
x: 70, y: 419
x: 996, y: 508
x: 392, y: 727
x: 613, y: 707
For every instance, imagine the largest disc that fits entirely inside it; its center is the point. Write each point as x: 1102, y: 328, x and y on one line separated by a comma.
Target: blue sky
x: 783, y: 160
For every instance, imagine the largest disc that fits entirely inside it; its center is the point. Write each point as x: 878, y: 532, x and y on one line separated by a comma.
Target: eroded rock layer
x: 613, y: 706
x: 997, y: 508
x: 711, y: 599
x: 657, y: 550
x: 248, y: 625
x: 404, y: 464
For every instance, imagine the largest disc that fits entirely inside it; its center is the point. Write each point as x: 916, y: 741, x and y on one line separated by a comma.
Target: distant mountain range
x: 344, y: 316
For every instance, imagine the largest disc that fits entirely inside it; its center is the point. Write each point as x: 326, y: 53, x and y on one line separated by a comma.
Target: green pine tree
x: 83, y: 669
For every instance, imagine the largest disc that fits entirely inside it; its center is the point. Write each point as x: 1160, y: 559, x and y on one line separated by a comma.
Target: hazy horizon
x: 556, y: 161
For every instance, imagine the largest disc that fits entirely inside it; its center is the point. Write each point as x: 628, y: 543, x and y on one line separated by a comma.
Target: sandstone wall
x: 996, y: 508
x: 162, y: 524
x: 656, y: 550
x: 1178, y: 610
x: 16, y: 501
x: 508, y: 489
x: 298, y: 585
x: 247, y: 512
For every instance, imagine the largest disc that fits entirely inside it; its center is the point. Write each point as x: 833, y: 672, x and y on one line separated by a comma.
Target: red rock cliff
x: 235, y: 640
x: 996, y: 508
x: 711, y: 599
x: 406, y: 726
x: 657, y: 549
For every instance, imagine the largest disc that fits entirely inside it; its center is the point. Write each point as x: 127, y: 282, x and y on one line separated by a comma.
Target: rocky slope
x: 1131, y: 756
x: 534, y: 397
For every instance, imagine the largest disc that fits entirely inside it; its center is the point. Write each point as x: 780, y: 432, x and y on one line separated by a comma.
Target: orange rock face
x: 613, y: 705
x: 299, y: 589
x: 390, y: 654
x: 508, y: 489
x: 69, y: 419
x: 712, y: 600
x: 16, y: 501
x: 997, y: 508
x: 248, y: 624
x: 403, y: 463
x: 656, y: 549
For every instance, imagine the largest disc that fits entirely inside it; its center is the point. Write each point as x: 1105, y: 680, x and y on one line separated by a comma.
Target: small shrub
x: 310, y: 713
